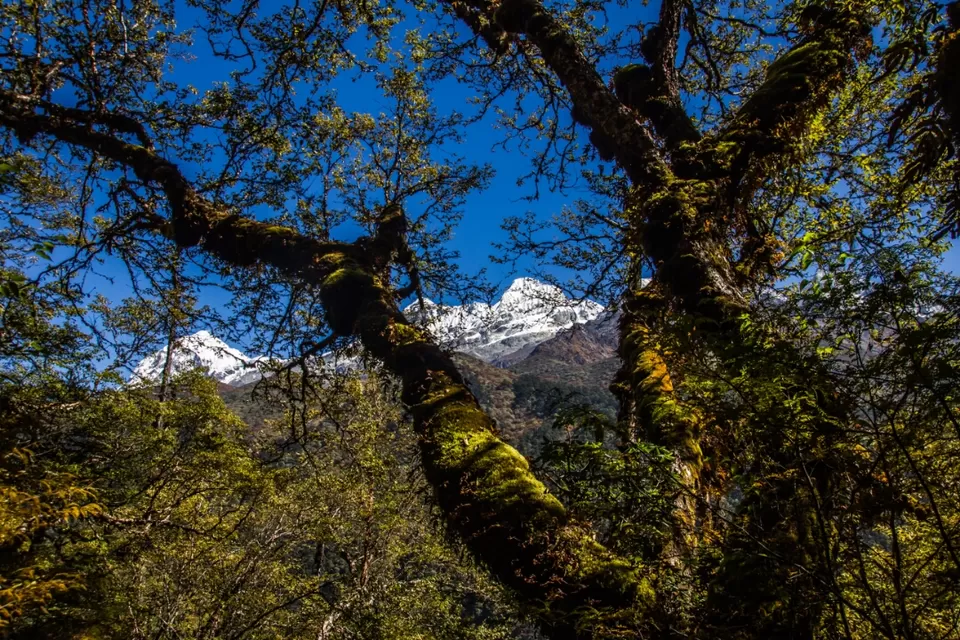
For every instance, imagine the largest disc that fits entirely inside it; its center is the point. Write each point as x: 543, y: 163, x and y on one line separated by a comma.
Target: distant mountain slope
x: 528, y: 314
x: 592, y: 343
x: 526, y: 355
x: 574, y: 367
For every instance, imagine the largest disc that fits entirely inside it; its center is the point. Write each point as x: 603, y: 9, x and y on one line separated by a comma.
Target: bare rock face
x: 528, y: 314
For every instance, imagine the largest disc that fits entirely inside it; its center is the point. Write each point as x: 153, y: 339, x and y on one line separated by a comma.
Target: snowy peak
x: 529, y: 312
x: 201, y: 349
x: 524, y: 290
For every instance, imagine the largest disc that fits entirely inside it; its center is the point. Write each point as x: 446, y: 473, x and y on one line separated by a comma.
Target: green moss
x: 516, y: 527
x: 276, y: 231
x: 499, y: 475
x: 797, y: 84
x: 645, y: 378
x: 406, y: 334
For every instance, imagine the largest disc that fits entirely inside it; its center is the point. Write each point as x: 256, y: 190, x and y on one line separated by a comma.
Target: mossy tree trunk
x: 683, y: 209
x: 689, y: 198
x: 488, y: 494
x: 649, y: 410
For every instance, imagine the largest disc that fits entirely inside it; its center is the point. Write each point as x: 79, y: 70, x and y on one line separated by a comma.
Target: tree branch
x: 686, y: 224
x: 654, y: 90
x: 632, y: 145
x: 484, y: 487
x: 799, y: 84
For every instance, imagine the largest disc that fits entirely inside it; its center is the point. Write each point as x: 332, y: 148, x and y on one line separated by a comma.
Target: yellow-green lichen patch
x: 405, y: 335
x: 514, y: 525
x: 331, y: 261
x: 495, y: 473
x: 645, y: 387
x: 797, y: 85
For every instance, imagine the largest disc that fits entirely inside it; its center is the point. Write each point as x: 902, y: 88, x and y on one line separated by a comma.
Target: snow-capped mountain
x: 201, y: 349
x: 529, y: 313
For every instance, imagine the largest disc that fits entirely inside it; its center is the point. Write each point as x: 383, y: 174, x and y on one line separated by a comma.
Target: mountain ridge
x: 224, y: 363
x: 527, y: 315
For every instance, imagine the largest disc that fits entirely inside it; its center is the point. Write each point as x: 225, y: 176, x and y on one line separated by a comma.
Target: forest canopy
x: 764, y: 192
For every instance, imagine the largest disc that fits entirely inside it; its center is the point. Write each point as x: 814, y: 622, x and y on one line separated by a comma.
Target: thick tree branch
x: 662, y: 209
x: 686, y: 223
x: 485, y: 488
x: 650, y: 410
x: 799, y: 85
x: 654, y: 90
x: 479, y: 22
x: 599, y: 108
x: 116, y: 121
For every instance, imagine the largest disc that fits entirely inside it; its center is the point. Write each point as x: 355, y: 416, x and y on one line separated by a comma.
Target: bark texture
x: 650, y: 411
x: 682, y: 213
